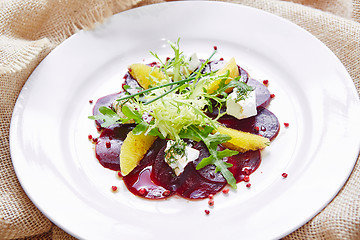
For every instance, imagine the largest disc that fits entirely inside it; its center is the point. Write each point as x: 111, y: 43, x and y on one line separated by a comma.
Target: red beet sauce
x: 153, y: 178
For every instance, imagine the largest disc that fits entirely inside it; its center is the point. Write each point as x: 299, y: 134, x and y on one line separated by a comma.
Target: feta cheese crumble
x: 178, y: 160
x: 243, y: 108
x: 194, y: 62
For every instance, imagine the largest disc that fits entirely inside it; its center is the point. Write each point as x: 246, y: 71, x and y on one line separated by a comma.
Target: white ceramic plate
x: 55, y: 162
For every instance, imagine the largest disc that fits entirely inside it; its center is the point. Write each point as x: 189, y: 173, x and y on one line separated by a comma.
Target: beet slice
x: 105, y: 101
x: 192, y: 185
x: 264, y: 123
x: 207, y: 172
x: 141, y: 184
x: 244, y: 164
x: 108, y: 145
x: 261, y: 91
x: 162, y: 173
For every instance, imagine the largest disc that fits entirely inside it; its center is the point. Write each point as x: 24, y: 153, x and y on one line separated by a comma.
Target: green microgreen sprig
x: 212, y: 142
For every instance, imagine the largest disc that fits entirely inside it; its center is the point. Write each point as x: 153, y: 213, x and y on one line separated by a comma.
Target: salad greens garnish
x: 212, y: 142
x: 108, y: 116
x: 174, y: 108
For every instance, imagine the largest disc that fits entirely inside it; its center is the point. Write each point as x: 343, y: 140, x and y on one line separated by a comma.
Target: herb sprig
x: 212, y: 142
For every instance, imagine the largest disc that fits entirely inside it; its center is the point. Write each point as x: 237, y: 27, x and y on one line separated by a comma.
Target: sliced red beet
x: 192, y: 185
x: 264, y: 123
x: 162, y: 173
x: 105, y: 101
x: 244, y: 164
x: 207, y: 172
x: 141, y: 184
x: 261, y: 91
x: 108, y: 145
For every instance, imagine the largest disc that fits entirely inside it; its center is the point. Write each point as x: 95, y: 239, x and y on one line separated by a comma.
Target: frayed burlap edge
x: 25, y: 48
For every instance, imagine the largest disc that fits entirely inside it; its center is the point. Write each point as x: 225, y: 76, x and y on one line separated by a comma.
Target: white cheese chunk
x: 194, y: 62
x: 179, y: 162
x: 243, y: 108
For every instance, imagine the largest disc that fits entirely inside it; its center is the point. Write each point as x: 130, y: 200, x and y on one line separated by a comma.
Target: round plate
x: 55, y: 161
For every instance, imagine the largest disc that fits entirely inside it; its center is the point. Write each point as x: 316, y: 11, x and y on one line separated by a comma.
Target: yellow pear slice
x: 243, y: 141
x: 233, y: 69
x: 133, y: 150
x: 145, y: 75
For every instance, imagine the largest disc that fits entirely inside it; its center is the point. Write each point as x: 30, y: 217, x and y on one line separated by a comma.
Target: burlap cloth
x: 29, y: 30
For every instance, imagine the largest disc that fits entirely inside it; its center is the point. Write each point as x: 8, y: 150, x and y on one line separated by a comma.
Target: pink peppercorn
x: 246, y: 178
x: 207, y: 212
x: 142, y: 191
x: 226, y: 191
x: 166, y: 193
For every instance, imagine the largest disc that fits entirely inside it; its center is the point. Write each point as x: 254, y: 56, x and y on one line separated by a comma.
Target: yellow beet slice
x: 243, y: 141
x: 233, y: 69
x: 133, y: 150
x: 145, y: 75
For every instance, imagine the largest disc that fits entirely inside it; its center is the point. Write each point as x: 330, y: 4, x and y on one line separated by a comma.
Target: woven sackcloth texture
x: 29, y: 30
